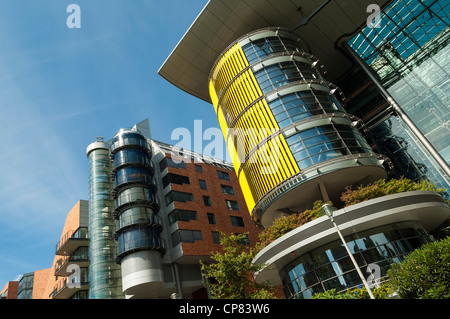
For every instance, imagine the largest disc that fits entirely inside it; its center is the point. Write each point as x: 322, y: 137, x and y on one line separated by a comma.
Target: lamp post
x: 328, y: 210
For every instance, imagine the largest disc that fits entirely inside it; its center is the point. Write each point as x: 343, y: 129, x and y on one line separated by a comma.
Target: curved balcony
x: 425, y: 207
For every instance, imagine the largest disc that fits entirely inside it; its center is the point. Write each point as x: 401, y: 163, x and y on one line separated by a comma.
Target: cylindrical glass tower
x: 104, y: 274
x: 290, y: 139
x: 136, y: 208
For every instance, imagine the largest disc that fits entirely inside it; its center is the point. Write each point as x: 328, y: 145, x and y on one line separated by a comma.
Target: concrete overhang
x: 426, y: 207
x: 323, y: 24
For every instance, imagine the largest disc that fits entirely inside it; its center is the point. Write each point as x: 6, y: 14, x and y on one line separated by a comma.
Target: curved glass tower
x: 284, y: 126
x: 104, y: 274
x: 140, y: 246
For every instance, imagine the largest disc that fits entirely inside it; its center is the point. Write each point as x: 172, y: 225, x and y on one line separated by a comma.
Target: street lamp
x: 329, y: 210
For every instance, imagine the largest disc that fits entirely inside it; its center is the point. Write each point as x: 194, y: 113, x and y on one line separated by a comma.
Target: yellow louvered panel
x: 233, y: 89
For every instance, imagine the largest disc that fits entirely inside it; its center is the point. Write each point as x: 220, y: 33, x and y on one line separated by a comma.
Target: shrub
x: 285, y: 224
x: 424, y: 273
x: 382, y: 188
x: 382, y: 292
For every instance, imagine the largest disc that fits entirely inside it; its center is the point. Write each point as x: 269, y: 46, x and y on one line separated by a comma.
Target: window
x: 237, y: 221
x: 232, y: 205
x: 172, y: 163
x: 223, y: 175
x: 182, y: 215
x: 185, y: 236
x: 162, y: 165
x: 178, y: 197
x: 175, y: 179
x: 202, y: 184
x: 198, y: 168
x: 211, y: 218
x: 206, y: 200
x: 244, y: 241
x: 227, y: 189
x: 216, y: 237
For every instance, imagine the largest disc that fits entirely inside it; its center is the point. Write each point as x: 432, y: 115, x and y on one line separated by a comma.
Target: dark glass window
x: 216, y: 237
x: 185, y: 236
x: 232, y: 204
x: 202, y: 184
x: 227, y: 189
x: 175, y: 179
x: 223, y: 175
x: 178, y: 197
x: 182, y: 215
x: 237, y: 221
x: 206, y: 200
x: 198, y: 168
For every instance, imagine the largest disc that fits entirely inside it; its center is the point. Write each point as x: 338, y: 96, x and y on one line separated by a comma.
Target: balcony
x: 63, y: 269
x: 72, y: 240
x: 66, y: 288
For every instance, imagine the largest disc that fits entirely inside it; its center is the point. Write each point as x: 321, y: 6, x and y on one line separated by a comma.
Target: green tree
x: 232, y: 272
x: 424, y: 273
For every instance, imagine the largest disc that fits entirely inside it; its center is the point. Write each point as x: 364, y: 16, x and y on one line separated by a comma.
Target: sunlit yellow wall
x: 246, y: 122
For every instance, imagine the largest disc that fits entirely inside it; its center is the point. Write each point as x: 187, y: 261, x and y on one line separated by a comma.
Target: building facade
x: 313, y: 98
x: 154, y: 211
x: 158, y: 210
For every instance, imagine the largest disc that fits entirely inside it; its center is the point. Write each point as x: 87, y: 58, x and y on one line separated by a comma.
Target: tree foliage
x: 424, y: 273
x: 232, y: 272
x: 285, y: 224
x: 382, y: 292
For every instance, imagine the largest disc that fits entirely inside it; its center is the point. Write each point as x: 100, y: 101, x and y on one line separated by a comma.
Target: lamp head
x: 328, y: 209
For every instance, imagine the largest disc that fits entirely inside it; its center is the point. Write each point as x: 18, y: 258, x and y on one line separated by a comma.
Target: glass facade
x: 410, y: 54
x: 330, y: 267
x: 136, y: 208
x: 25, y: 290
x: 104, y: 273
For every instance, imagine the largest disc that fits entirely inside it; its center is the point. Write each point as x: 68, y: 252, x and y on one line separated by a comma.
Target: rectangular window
x: 223, y: 175
x: 211, y: 218
x: 175, y: 179
x: 227, y: 189
x: 202, y: 184
x: 237, y: 221
x: 232, y: 205
x: 178, y: 197
x: 162, y: 164
x: 182, y: 215
x: 185, y: 236
x: 198, y: 168
x: 206, y: 200
x: 244, y: 241
x: 175, y: 163
x: 216, y: 237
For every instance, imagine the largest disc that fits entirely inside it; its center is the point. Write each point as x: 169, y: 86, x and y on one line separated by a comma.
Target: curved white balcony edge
x: 426, y: 207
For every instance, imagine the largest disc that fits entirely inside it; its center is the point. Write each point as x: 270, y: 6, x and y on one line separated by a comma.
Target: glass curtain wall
x: 410, y: 53
x: 105, y: 274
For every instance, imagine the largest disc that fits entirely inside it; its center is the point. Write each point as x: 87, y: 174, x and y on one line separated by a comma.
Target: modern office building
x: 314, y: 97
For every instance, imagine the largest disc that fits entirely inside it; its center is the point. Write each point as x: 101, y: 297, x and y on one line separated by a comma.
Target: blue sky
x: 60, y: 88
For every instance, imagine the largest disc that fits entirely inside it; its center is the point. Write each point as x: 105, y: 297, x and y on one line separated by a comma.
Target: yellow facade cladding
x: 260, y: 154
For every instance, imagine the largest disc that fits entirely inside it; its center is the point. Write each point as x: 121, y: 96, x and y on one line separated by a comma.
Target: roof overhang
x: 323, y: 24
